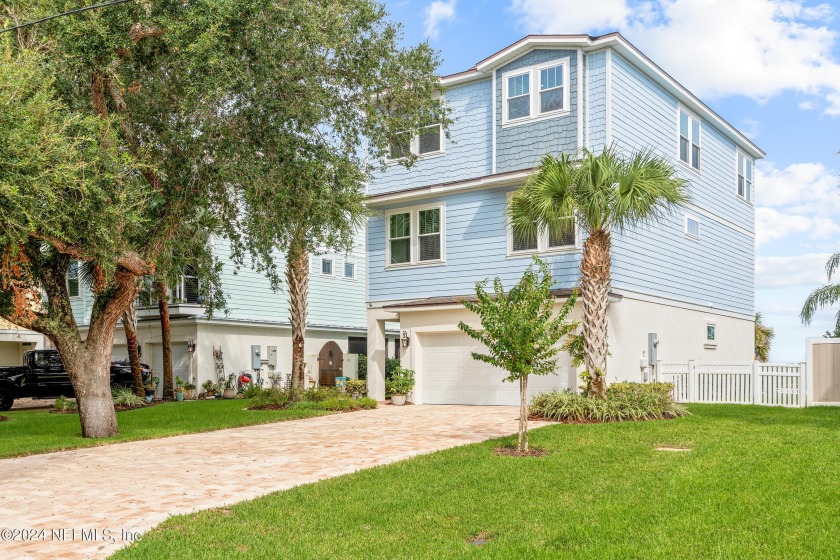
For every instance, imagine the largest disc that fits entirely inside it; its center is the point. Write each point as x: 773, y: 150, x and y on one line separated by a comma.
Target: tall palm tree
x: 824, y: 296
x: 763, y: 339
x: 605, y: 193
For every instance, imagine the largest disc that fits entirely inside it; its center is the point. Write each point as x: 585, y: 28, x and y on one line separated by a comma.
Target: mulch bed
x: 3, y: 418
x: 513, y: 452
x: 535, y: 418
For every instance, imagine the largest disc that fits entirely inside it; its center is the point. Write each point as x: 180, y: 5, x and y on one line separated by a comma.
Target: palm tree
x: 763, y: 338
x: 824, y: 296
x: 605, y: 193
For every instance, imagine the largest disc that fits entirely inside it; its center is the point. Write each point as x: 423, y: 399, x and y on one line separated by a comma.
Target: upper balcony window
x: 429, y: 142
x: 520, y: 103
x: 745, y: 177
x: 690, y: 140
x: 415, y: 236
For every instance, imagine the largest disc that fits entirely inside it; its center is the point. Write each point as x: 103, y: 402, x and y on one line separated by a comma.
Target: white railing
x: 736, y: 383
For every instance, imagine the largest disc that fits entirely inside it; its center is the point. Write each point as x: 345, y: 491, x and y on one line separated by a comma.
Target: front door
x: 330, y: 363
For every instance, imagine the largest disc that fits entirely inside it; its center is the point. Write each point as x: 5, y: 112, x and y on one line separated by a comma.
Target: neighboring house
x: 14, y: 341
x: 255, y: 317
x: 441, y: 225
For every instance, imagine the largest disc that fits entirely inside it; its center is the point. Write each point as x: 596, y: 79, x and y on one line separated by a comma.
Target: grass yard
x: 38, y: 431
x: 758, y: 483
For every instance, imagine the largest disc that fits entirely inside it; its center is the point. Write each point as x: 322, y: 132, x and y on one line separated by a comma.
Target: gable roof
x: 622, y: 46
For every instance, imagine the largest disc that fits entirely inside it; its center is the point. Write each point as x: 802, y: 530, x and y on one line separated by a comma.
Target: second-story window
x: 428, y: 142
x: 551, y: 89
x: 73, y: 279
x: 689, y: 140
x: 692, y: 227
x: 563, y: 237
x: 415, y: 236
x: 745, y: 177
x: 349, y: 270
x: 327, y: 267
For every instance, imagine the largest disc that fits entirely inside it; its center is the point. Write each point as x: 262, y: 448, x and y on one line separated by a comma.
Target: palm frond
x: 820, y: 298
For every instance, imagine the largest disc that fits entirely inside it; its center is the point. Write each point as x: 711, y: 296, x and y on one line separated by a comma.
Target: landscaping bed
x: 3, y: 418
x: 322, y: 398
x: 759, y: 482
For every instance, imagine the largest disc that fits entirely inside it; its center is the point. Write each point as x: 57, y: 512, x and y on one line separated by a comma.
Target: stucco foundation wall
x: 681, y: 333
x: 10, y: 354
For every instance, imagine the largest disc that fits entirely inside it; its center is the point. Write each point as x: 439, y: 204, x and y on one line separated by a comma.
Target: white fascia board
x: 478, y: 183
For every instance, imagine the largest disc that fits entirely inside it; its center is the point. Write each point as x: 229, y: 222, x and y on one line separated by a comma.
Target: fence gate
x: 824, y: 361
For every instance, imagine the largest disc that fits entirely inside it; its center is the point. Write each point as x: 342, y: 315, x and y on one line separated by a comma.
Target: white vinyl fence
x: 737, y: 383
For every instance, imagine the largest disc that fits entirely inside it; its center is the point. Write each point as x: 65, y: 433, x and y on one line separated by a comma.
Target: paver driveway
x: 131, y: 487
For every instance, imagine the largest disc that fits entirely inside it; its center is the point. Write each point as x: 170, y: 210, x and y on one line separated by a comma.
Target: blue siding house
x: 440, y: 225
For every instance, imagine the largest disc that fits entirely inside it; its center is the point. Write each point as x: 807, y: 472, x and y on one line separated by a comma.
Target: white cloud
x: 807, y: 105
x: 436, y: 13
x: 782, y: 272
x: 716, y: 48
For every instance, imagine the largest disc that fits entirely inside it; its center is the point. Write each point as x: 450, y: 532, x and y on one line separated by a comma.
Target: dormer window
x: 428, y: 142
x: 535, y: 92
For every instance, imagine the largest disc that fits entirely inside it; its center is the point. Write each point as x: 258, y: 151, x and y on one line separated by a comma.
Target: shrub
x: 124, y: 396
x: 271, y: 398
x: 391, y: 365
x: 306, y: 405
x: 63, y: 404
x: 356, y: 386
x: 362, y: 370
x: 321, y: 394
x: 401, y: 382
x: 629, y: 401
x: 367, y: 403
x: 339, y: 403
x: 252, y: 391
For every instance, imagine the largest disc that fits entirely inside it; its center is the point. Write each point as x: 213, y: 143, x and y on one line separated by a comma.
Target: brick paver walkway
x: 131, y: 487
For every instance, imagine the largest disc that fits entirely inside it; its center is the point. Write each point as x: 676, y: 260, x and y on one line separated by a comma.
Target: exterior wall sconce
x: 191, y: 346
x: 404, y: 339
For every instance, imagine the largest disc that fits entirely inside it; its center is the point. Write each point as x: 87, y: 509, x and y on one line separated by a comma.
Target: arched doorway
x: 330, y: 363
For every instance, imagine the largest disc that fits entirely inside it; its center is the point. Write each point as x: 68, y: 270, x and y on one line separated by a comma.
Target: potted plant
x: 209, y: 389
x: 229, y: 392
x: 179, y: 389
x: 356, y: 387
x: 151, y: 388
x: 400, y: 385
x: 189, y: 391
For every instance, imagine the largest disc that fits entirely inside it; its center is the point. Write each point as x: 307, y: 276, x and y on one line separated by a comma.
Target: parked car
x: 44, y: 376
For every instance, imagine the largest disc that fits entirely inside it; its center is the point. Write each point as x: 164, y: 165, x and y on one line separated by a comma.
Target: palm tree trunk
x: 166, y: 340
x: 297, y: 277
x: 594, y: 291
x: 129, y: 320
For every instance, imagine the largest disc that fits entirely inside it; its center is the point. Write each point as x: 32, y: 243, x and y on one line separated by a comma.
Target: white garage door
x: 451, y: 376
x: 180, y: 361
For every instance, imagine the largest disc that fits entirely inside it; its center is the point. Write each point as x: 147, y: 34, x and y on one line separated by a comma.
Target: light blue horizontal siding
x: 333, y: 301
x: 523, y: 145
x: 596, y: 104
x: 660, y: 260
x: 476, y: 248
x: 467, y: 151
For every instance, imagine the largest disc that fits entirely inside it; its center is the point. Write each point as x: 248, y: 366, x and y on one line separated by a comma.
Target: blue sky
x: 770, y: 67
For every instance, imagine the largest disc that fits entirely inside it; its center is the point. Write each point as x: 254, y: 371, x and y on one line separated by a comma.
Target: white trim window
x: 689, y: 139
x: 746, y: 176
x: 429, y: 142
x: 415, y: 236
x: 711, y: 335
x: 73, y: 280
x: 544, y: 241
x: 692, y: 227
x: 349, y: 270
x: 326, y: 267
x: 551, y: 98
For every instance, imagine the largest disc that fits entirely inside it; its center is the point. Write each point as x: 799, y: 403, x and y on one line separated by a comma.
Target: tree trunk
x: 91, y: 372
x: 297, y: 278
x: 166, y: 340
x: 523, y: 414
x: 129, y: 320
x: 594, y: 291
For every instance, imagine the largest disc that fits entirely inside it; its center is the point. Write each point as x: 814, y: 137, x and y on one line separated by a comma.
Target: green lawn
x: 37, y: 431
x: 759, y: 483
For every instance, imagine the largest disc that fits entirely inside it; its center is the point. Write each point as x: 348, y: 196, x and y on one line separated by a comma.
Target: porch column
x: 377, y: 348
